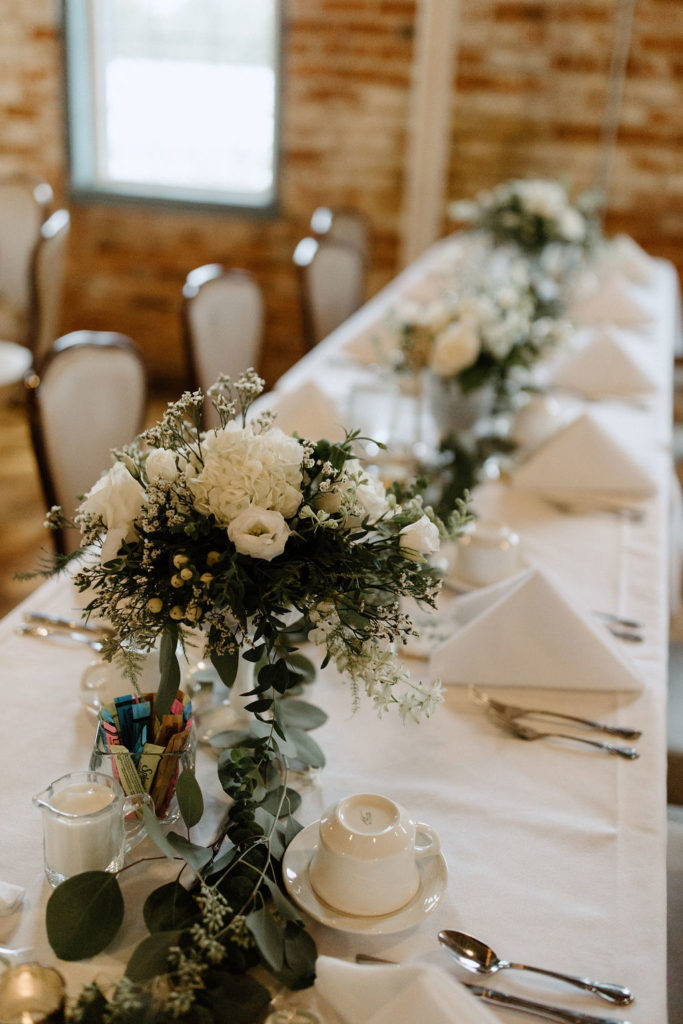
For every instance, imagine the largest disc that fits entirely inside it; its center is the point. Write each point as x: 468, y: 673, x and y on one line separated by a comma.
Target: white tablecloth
x: 556, y: 854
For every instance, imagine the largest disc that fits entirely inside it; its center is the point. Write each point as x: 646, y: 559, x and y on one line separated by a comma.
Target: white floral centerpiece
x: 532, y: 214
x: 230, y: 531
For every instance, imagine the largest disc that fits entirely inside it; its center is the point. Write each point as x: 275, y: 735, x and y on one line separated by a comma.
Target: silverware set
x: 507, y: 716
x: 627, y: 513
x: 621, y: 627
x: 54, y: 627
x: 474, y: 955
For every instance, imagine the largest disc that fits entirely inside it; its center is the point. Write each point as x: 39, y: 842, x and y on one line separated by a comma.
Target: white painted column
x: 429, y: 126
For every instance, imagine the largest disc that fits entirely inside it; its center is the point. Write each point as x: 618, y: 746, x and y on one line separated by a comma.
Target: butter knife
x: 68, y: 625
x: 68, y: 636
x: 557, y: 1013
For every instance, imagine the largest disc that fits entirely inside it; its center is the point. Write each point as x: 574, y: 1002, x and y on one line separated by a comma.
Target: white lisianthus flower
x: 161, y: 464
x: 429, y: 316
x: 244, y: 468
x: 259, y: 532
x: 117, y: 498
x: 421, y: 536
x: 455, y: 348
x: 370, y: 494
x: 543, y: 198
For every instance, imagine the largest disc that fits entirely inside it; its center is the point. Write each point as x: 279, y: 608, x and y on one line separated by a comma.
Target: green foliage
x: 84, y: 914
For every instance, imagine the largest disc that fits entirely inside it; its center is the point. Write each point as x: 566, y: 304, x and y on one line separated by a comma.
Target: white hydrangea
x: 244, y: 467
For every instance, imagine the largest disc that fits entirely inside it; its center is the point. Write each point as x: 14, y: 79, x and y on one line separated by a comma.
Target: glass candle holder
x: 32, y: 994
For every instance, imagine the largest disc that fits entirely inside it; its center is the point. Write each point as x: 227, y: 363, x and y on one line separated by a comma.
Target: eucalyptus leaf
x: 170, y: 674
x: 292, y: 829
x: 235, y: 998
x: 264, y: 818
x: 226, y: 666
x: 300, y: 956
x: 282, y: 802
x: 84, y: 914
x: 149, y: 957
x: 197, y: 857
x: 156, y: 833
x: 303, y: 667
x: 307, y: 750
x: 190, y: 799
x: 169, y: 907
x: 301, y: 714
x: 230, y: 738
x: 268, y: 936
x: 285, y: 908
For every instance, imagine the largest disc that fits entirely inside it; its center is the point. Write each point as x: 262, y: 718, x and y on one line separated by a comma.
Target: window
x: 174, y: 99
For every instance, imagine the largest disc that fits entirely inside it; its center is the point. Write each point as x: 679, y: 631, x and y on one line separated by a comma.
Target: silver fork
x: 512, y: 711
x: 628, y: 512
x: 526, y: 732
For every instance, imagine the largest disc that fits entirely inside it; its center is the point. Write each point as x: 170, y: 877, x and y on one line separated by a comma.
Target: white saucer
x: 465, y: 586
x: 433, y: 880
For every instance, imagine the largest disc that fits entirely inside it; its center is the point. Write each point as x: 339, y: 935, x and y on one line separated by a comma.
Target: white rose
x: 421, y: 536
x: 243, y: 468
x: 543, y: 198
x: 259, y: 532
x: 161, y: 464
x: 118, y: 498
x: 454, y: 349
x: 571, y: 225
x: 370, y: 493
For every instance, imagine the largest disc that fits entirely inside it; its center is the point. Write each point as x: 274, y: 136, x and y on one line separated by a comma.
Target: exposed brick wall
x: 528, y: 99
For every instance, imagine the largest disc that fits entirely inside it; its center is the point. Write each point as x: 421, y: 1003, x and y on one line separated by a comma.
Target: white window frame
x: 84, y: 128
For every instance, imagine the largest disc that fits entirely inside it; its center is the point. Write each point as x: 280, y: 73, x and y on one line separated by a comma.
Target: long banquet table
x: 555, y: 853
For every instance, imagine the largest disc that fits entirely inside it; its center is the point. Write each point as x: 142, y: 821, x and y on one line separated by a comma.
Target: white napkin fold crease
x: 396, y: 994
x: 307, y: 410
x: 584, y: 459
x: 11, y: 898
x: 524, y: 632
x: 612, y: 302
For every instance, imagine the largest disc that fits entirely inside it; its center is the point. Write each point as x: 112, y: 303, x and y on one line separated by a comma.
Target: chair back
x: 223, y: 324
x: 90, y: 397
x: 345, y: 224
x: 24, y: 206
x: 331, y: 284
x: 49, y: 272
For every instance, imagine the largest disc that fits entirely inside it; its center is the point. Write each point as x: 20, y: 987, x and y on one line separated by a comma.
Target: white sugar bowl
x: 487, y: 552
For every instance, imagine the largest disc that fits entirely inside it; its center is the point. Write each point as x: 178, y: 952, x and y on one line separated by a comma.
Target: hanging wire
x: 621, y: 48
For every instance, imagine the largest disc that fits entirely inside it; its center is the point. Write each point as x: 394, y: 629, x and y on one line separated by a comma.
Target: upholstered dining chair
x: 46, y: 285
x: 223, y: 324
x: 331, y: 277
x: 344, y: 223
x: 89, y: 397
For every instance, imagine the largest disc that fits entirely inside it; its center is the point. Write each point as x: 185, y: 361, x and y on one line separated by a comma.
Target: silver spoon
x: 474, y: 955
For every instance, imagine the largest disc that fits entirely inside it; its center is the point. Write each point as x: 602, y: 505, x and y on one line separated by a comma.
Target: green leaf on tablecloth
x: 149, y: 957
x: 170, y: 673
x: 168, y: 907
x: 282, y: 801
x: 285, y: 908
x: 156, y: 833
x: 302, y: 666
x: 268, y: 936
x: 235, y: 998
x: 301, y: 714
x: 226, y: 666
x: 84, y: 914
x: 298, y: 968
x: 196, y: 856
x: 307, y: 750
x: 190, y: 799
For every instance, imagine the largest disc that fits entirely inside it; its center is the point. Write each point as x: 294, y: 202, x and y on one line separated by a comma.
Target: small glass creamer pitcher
x: 89, y: 824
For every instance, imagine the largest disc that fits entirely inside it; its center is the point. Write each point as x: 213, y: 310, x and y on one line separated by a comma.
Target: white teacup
x: 366, y: 859
x: 487, y: 552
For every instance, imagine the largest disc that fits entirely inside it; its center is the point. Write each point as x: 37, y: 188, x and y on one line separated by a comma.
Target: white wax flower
x: 259, y: 532
x: 421, y: 536
x: 454, y: 349
x: 244, y: 468
x: 572, y: 226
x: 118, y: 498
x: 161, y: 464
x: 543, y: 198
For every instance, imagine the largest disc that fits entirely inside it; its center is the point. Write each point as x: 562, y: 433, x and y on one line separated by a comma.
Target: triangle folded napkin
x: 604, y: 367
x: 377, y: 344
x: 307, y: 410
x: 524, y: 632
x: 584, y: 461
x: 632, y: 260
x: 612, y: 302
x: 396, y: 994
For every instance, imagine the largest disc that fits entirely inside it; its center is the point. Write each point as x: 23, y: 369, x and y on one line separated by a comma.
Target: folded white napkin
x: 604, y: 367
x: 612, y: 302
x: 376, y: 344
x: 396, y: 994
x: 584, y: 460
x: 307, y: 410
x: 11, y: 898
x: 524, y: 632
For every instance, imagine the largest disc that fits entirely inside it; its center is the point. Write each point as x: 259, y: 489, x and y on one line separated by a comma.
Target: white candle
x: 80, y: 834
